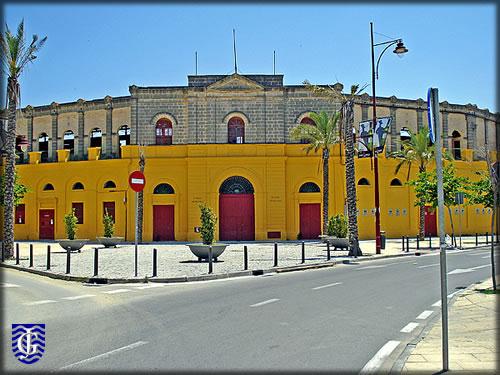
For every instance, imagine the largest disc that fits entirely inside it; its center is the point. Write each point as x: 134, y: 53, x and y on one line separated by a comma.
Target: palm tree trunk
x: 421, y: 222
x: 140, y: 199
x: 326, y: 155
x: 348, y: 117
x: 10, y: 168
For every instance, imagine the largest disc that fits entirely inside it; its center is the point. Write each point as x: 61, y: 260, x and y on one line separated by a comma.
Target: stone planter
x: 110, y: 241
x: 201, y: 250
x: 74, y: 245
x: 339, y: 243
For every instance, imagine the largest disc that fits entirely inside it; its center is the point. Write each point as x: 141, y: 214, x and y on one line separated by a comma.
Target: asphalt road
x: 343, y: 318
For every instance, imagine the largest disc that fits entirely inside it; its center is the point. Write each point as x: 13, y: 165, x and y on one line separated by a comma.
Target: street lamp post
x: 400, y: 49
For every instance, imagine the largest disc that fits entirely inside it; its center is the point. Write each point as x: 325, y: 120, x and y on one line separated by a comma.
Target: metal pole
x: 418, y: 243
x: 328, y: 255
x: 430, y: 241
x: 275, y: 255
x: 48, y: 257
x: 17, y: 253
x: 407, y: 244
x: 477, y: 242
x: 31, y: 255
x: 155, y: 255
x: 403, y: 242
x: 486, y: 235
x: 460, y: 224
x: 210, y: 266
x: 136, y: 231
x: 68, y: 260
x: 245, y: 257
x: 442, y: 242
x: 96, y: 261
x: 374, y: 154
x: 303, y: 252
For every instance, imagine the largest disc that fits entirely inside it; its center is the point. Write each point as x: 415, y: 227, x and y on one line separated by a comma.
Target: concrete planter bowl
x: 201, y: 250
x: 339, y: 243
x: 110, y: 241
x: 74, y: 245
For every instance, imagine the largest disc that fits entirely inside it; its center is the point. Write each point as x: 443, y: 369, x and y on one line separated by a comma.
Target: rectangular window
x: 78, y: 211
x: 20, y: 214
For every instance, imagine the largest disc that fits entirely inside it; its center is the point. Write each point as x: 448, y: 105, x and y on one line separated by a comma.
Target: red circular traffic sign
x: 137, y: 180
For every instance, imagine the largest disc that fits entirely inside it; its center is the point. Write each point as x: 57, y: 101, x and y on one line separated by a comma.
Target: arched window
x: 455, y: 145
x: 109, y: 185
x: 309, y: 187
x: 163, y: 189
x: 308, y: 121
x: 69, y: 141
x: 96, y: 137
x: 43, y: 146
x: 48, y: 187
x: 236, y: 185
x: 396, y: 182
x: 363, y: 182
x: 164, y: 132
x: 78, y: 186
x: 21, y: 146
x: 235, y: 130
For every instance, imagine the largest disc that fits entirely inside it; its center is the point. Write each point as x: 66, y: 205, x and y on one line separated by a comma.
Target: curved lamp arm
x: 380, y: 56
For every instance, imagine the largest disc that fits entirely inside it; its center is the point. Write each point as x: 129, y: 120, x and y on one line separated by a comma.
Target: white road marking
x: 78, y: 297
x: 425, y: 314
x: 370, y: 267
x: 436, y: 304
x: 478, y: 267
x: 466, y: 270
x: 409, y: 327
x: 429, y: 265
x: 475, y: 254
x: 265, y: 302
x: 42, y: 302
x: 105, y: 355
x: 325, y: 286
x: 117, y: 291
x: 373, y: 364
x: 149, y: 286
x: 486, y: 257
x: 7, y: 285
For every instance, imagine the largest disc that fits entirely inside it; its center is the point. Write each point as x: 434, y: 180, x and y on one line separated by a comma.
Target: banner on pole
x: 372, y: 140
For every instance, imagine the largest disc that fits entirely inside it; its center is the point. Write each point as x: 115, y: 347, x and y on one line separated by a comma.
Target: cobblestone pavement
x: 176, y: 260
x: 472, y: 332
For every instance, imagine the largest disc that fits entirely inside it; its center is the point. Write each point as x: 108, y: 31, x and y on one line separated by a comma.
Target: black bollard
x: 68, y: 260
x: 407, y: 244
x: 155, y: 255
x: 96, y: 261
x: 486, y: 235
x: 403, y: 242
x: 303, y: 252
x: 210, y: 266
x: 48, y: 257
x: 477, y: 242
x: 31, y: 255
x: 275, y: 255
x: 430, y: 242
x: 3, y: 255
x: 17, y: 253
x: 328, y: 254
x: 245, y: 257
x: 418, y: 242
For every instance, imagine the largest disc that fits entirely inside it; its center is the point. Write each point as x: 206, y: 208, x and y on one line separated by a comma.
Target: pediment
x: 235, y: 83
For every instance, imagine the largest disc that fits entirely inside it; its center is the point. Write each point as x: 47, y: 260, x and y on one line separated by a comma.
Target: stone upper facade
x: 200, y: 112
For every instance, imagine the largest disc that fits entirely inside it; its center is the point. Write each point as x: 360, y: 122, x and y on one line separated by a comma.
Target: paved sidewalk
x: 472, y: 327
x: 175, y: 260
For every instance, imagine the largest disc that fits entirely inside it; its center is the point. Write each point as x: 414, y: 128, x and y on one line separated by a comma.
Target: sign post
x: 136, y: 180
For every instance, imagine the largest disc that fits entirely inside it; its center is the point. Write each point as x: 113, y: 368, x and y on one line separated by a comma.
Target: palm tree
x: 416, y: 150
x: 322, y: 136
x: 15, y: 55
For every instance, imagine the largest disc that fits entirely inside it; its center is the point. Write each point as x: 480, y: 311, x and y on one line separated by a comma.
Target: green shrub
x: 109, y: 225
x: 70, y: 221
x: 208, y: 221
x: 337, y: 226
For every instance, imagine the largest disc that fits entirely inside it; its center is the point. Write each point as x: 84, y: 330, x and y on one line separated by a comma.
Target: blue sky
x: 97, y: 50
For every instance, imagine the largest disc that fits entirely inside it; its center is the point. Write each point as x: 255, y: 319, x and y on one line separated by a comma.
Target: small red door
x: 163, y: 223
x: 46, y: 225
x: 310, y: 220
x: 237, y: 220
x: 430, y: 227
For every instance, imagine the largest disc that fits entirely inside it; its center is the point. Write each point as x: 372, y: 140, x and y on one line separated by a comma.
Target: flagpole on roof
x: 234, y: 51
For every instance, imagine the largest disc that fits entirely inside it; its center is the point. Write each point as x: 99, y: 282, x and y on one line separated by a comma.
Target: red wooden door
x: 163, y: 223
x: 46, y: 225
x: 430, y: 221
x: 109, y: 207
x: 236, y: 217
x: 310, y: 220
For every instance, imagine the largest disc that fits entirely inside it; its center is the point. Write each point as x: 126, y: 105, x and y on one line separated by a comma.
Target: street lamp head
x: 400, y: 48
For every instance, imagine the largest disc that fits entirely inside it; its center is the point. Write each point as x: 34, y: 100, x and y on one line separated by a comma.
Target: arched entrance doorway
x: 310, y: 211
x: 236, y: 210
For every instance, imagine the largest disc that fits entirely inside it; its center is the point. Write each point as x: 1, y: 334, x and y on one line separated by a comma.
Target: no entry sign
x: 136, y: 180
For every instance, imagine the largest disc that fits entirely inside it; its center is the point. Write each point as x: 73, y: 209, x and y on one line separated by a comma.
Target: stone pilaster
x: 81, y: 128
x: 470, y: 119
x: 29, y: 117
x: 444, y: 119
x: 420, y: 114
x: 393, y: 132
x: 364, y: 112
x: 134, y: 113
x: 54, y: 112
x: 108, y: 150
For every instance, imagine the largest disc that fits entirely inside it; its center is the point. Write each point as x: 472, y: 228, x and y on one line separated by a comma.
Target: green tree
x: 208, y: 222
x: 20, y: 190
x: 15, y: 55
x: 321, y: 136
x: 70, y: 221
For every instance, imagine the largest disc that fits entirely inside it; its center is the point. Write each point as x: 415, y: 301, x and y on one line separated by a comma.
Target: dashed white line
x: 370, y: 267
x: 486, y: 257
x: 265, y: 302
x: 478, y: 267
x: 153, y: 285
x: 325, y: 286
x: 7, y: 285
x: 425, y: 314
x: 42, y: 302
x: 409, y: 327
x: 107, y: 354
x: 436, y: 304
x: 72, y: 298
x: 117, y: 291
x: 373, y: 364
x: 429, y: 265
